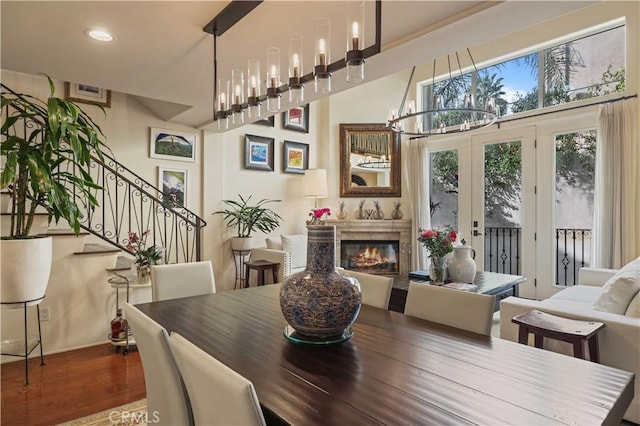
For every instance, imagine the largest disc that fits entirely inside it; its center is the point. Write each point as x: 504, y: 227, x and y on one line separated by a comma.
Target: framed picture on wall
x: 269, y: 122
x: 295, y: 157
x: 297, y: 118
x: 173, y: 183
x: 258, y: 153
x: 172, y: 145
x: 83, y: 93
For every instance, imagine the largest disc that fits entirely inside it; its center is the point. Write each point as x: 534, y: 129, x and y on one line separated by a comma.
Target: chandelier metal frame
x: 237, y: 9
x: 481, y: 118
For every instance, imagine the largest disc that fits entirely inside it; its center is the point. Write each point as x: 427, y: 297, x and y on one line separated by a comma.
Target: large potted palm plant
x: 47, y: 150
x: 246, y: 218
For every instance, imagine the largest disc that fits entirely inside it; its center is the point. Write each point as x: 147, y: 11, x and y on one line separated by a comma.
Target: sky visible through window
x: 586, y: 67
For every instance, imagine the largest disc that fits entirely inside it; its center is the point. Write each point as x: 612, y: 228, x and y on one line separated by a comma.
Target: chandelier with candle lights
x: 240, y: 95
x: 440, y: 117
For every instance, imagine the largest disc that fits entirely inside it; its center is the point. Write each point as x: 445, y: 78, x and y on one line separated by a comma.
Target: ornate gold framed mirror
x: 369, y: 161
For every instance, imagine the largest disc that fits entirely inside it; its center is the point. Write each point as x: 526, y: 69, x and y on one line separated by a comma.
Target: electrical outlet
x: 45, y: 313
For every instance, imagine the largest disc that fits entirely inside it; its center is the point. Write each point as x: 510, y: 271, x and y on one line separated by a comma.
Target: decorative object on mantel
x: 342, y: 213
x: 145, y: 256
x: 461, y: 266
x: 439, y: 242
x: 377, y: 214
x: 320, y: 303
x: 318, y: 216
x: 360, y: 213
x: 396, y: 213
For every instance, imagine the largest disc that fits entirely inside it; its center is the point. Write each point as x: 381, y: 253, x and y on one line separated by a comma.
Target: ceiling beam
x: 230, y: 15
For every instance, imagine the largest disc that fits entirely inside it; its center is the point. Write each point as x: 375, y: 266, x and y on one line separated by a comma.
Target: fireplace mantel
x: 401, y: 230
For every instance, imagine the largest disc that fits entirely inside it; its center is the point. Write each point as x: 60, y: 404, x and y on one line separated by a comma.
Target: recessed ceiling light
x: 100, y: 35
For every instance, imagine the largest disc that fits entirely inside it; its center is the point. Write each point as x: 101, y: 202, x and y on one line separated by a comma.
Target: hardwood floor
x: 71, y: 385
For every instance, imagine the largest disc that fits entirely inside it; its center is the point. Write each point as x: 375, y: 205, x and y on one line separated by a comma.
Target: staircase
x: 80, y: 301
x: 127, y: 203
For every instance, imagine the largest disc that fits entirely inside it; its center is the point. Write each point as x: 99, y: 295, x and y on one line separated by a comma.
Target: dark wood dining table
x: 395, y: 370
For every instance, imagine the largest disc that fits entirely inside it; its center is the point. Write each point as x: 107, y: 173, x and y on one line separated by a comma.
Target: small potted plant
x: 246, y: 218
x: 145, y: 256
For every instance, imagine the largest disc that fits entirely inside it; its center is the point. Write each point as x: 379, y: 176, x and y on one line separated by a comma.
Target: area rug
x: 134, y: 413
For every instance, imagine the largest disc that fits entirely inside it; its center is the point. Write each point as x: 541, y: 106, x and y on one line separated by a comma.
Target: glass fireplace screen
x: 370, y: 256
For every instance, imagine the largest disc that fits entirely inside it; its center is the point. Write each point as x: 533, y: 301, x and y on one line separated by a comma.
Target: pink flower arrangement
x: 439, y: 241
x: 144, y: 255
x: 318, y: 216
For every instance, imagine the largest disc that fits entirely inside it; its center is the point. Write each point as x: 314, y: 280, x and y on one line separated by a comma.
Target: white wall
x: 224, y: 177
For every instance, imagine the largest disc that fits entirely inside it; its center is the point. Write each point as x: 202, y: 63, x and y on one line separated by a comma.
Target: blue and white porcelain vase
x: 320, y: 302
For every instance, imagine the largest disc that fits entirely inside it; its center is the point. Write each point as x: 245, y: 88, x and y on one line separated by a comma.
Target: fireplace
x: 399, y: 233
x: 379, y: 257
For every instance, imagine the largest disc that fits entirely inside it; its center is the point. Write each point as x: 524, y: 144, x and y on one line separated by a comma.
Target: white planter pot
x: 26, y: 266
x: 241, y: 243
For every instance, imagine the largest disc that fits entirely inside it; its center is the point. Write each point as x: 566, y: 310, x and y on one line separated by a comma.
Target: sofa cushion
x: 620, y: 289
x: 274, y: 243
x: 297, y: 246
x: 579, y: 293
x: 634, y: 307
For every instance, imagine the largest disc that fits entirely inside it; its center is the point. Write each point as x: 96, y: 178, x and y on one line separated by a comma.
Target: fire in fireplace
x: 379, y: 257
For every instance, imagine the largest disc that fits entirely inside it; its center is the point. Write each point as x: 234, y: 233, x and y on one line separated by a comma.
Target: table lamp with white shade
x: 315, y: 185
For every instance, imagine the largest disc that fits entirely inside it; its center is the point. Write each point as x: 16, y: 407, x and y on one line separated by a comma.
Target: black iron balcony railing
x: 573, y: 251
x: 573, y: 248
x: 128, y: 203
x: 502, y: 250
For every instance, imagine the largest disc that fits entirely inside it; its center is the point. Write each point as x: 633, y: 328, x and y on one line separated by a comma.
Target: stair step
x: 36, y: 214
x: 96, y: 248
x: 123, y: 263
x: 52, y: 232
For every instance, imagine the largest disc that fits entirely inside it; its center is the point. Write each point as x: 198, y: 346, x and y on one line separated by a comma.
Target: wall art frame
x: 268, y: 122
x: 360, y: 140
x: 258, y: 152
x: 173, y: 184
x: 296, y: 119
x: 86, y: 94
x: 295, y: 157
x: 173, y: 145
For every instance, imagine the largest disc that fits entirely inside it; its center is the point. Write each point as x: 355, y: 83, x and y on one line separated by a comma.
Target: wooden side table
x: 542, y: 325
x: 260, y: 266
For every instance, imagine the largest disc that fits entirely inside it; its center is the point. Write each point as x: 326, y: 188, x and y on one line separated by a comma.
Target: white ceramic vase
x: 462, y: 267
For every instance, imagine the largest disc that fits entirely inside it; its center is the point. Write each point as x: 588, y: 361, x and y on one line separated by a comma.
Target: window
x: 582, y: 68
x: 444, y: 188
x: 575, y: 165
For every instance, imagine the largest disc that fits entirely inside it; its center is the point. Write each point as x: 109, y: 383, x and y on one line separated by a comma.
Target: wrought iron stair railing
x: 129, y: 203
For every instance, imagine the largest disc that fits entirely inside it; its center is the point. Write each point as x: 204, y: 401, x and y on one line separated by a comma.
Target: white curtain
x: 416, y: 168
x: 616, y: 224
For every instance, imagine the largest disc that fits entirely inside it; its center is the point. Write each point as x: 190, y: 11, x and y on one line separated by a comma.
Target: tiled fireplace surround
x: 400, y: 230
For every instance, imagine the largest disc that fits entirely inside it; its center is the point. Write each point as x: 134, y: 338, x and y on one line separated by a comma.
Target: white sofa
x: 619, y: 341
x: 290, y: 251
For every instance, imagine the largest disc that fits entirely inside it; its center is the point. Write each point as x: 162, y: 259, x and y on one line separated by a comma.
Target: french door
x: 503, y: 203
x: 494, y: 201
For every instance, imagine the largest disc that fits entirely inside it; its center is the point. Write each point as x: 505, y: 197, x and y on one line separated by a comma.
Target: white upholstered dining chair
x: 177, y: 280
x: 219, y: 395
x: 167, y: 400
x: 456, y: 308
x: 376, y: 289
